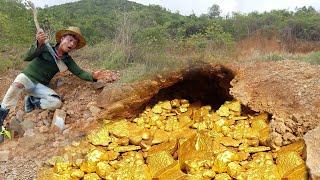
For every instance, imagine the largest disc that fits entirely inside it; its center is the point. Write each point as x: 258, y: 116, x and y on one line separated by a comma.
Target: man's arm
x: 76, y: 70
x: 35, y: 50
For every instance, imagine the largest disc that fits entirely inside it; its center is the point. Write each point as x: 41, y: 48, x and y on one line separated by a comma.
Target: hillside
x: 100, y: 19
x: 16, y: 25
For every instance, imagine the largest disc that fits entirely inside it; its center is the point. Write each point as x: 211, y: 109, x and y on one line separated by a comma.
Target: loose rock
x: 59, y: 119
x: 19, y: 115
x: 27, y: 124
x: 4, y: 156
x: 29, y: 133
x: 94, y: 110
x: 312, y: 140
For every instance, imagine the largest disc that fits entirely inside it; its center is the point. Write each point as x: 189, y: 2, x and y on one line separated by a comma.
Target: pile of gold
x: 178, y: 140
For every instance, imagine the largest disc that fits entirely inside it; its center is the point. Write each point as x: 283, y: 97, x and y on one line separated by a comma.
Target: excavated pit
x: 206, y: 84
x: 286, y: 90
x: 277, y: 90
x: 210, y: 90
x: 184, y: 127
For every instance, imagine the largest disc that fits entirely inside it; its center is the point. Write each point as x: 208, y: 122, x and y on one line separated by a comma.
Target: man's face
x: 68, y: 43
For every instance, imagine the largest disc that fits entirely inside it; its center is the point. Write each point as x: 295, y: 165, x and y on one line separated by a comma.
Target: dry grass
x: 11, y: 57
x: 137, y: 63
x: 312, y: 58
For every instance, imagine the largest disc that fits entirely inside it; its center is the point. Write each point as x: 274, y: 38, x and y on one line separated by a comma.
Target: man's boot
x: 30, y: 103
x: 3, y: 114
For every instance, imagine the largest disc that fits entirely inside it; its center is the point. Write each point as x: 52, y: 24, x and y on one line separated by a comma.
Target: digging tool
x: 61, y: 65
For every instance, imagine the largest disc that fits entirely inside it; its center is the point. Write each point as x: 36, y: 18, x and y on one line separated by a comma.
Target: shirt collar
x: 65, y: 55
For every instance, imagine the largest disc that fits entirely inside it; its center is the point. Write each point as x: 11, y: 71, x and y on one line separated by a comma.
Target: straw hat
x: 73, y: 31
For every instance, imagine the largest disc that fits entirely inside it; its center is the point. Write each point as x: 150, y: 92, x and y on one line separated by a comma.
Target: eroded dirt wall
x: 288, y: 90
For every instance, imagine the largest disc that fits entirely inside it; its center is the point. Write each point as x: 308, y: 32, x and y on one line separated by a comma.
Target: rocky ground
x: 37, y: 139
x: 288, y: 90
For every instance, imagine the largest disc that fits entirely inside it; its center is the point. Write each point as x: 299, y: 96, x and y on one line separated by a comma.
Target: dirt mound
x: 21, y: 157
x: 287, y: 90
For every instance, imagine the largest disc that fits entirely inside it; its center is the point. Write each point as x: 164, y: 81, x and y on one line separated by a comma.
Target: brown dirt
x: 29, y: 152
x: 269, y: 41
x: 259, y: 42
x: 287, y: 90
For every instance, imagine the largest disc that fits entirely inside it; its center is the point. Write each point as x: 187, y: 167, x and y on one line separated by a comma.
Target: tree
x: 214, y: 11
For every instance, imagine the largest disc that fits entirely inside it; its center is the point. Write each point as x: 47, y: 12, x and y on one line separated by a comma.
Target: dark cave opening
x: 210, y: 87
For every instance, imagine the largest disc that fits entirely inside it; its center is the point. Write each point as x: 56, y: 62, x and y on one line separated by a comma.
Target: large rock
x: 312, y: 140
x: 59, y: 119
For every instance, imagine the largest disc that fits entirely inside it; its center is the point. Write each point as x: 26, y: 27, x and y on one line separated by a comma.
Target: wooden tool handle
x: 35, y: 14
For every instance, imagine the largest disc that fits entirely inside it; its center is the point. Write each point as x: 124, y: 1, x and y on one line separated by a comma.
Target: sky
x: 198, y: 7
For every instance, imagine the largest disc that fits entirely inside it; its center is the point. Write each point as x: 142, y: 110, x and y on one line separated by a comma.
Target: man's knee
x: 18, y: 85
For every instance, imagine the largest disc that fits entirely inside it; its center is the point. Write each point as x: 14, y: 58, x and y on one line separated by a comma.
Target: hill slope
x: 100, y: 19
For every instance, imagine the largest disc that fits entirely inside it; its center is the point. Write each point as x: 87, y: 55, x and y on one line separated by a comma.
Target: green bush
x: 213, y: 37
x: 153, y: 37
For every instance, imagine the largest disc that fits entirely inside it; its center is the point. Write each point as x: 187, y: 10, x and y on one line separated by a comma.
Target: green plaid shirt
x: 42, y: 67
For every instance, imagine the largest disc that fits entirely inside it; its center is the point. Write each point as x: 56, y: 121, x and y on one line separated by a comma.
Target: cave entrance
x: 207, y: 86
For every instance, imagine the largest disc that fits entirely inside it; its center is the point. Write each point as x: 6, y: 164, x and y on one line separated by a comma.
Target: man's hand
x: 41, y: 37
x: 108, y: 76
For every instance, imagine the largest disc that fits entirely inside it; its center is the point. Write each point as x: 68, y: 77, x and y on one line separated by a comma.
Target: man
x: 35, y: 78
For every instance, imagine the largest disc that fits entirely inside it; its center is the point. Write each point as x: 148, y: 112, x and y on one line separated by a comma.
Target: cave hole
x: 204, y: 85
